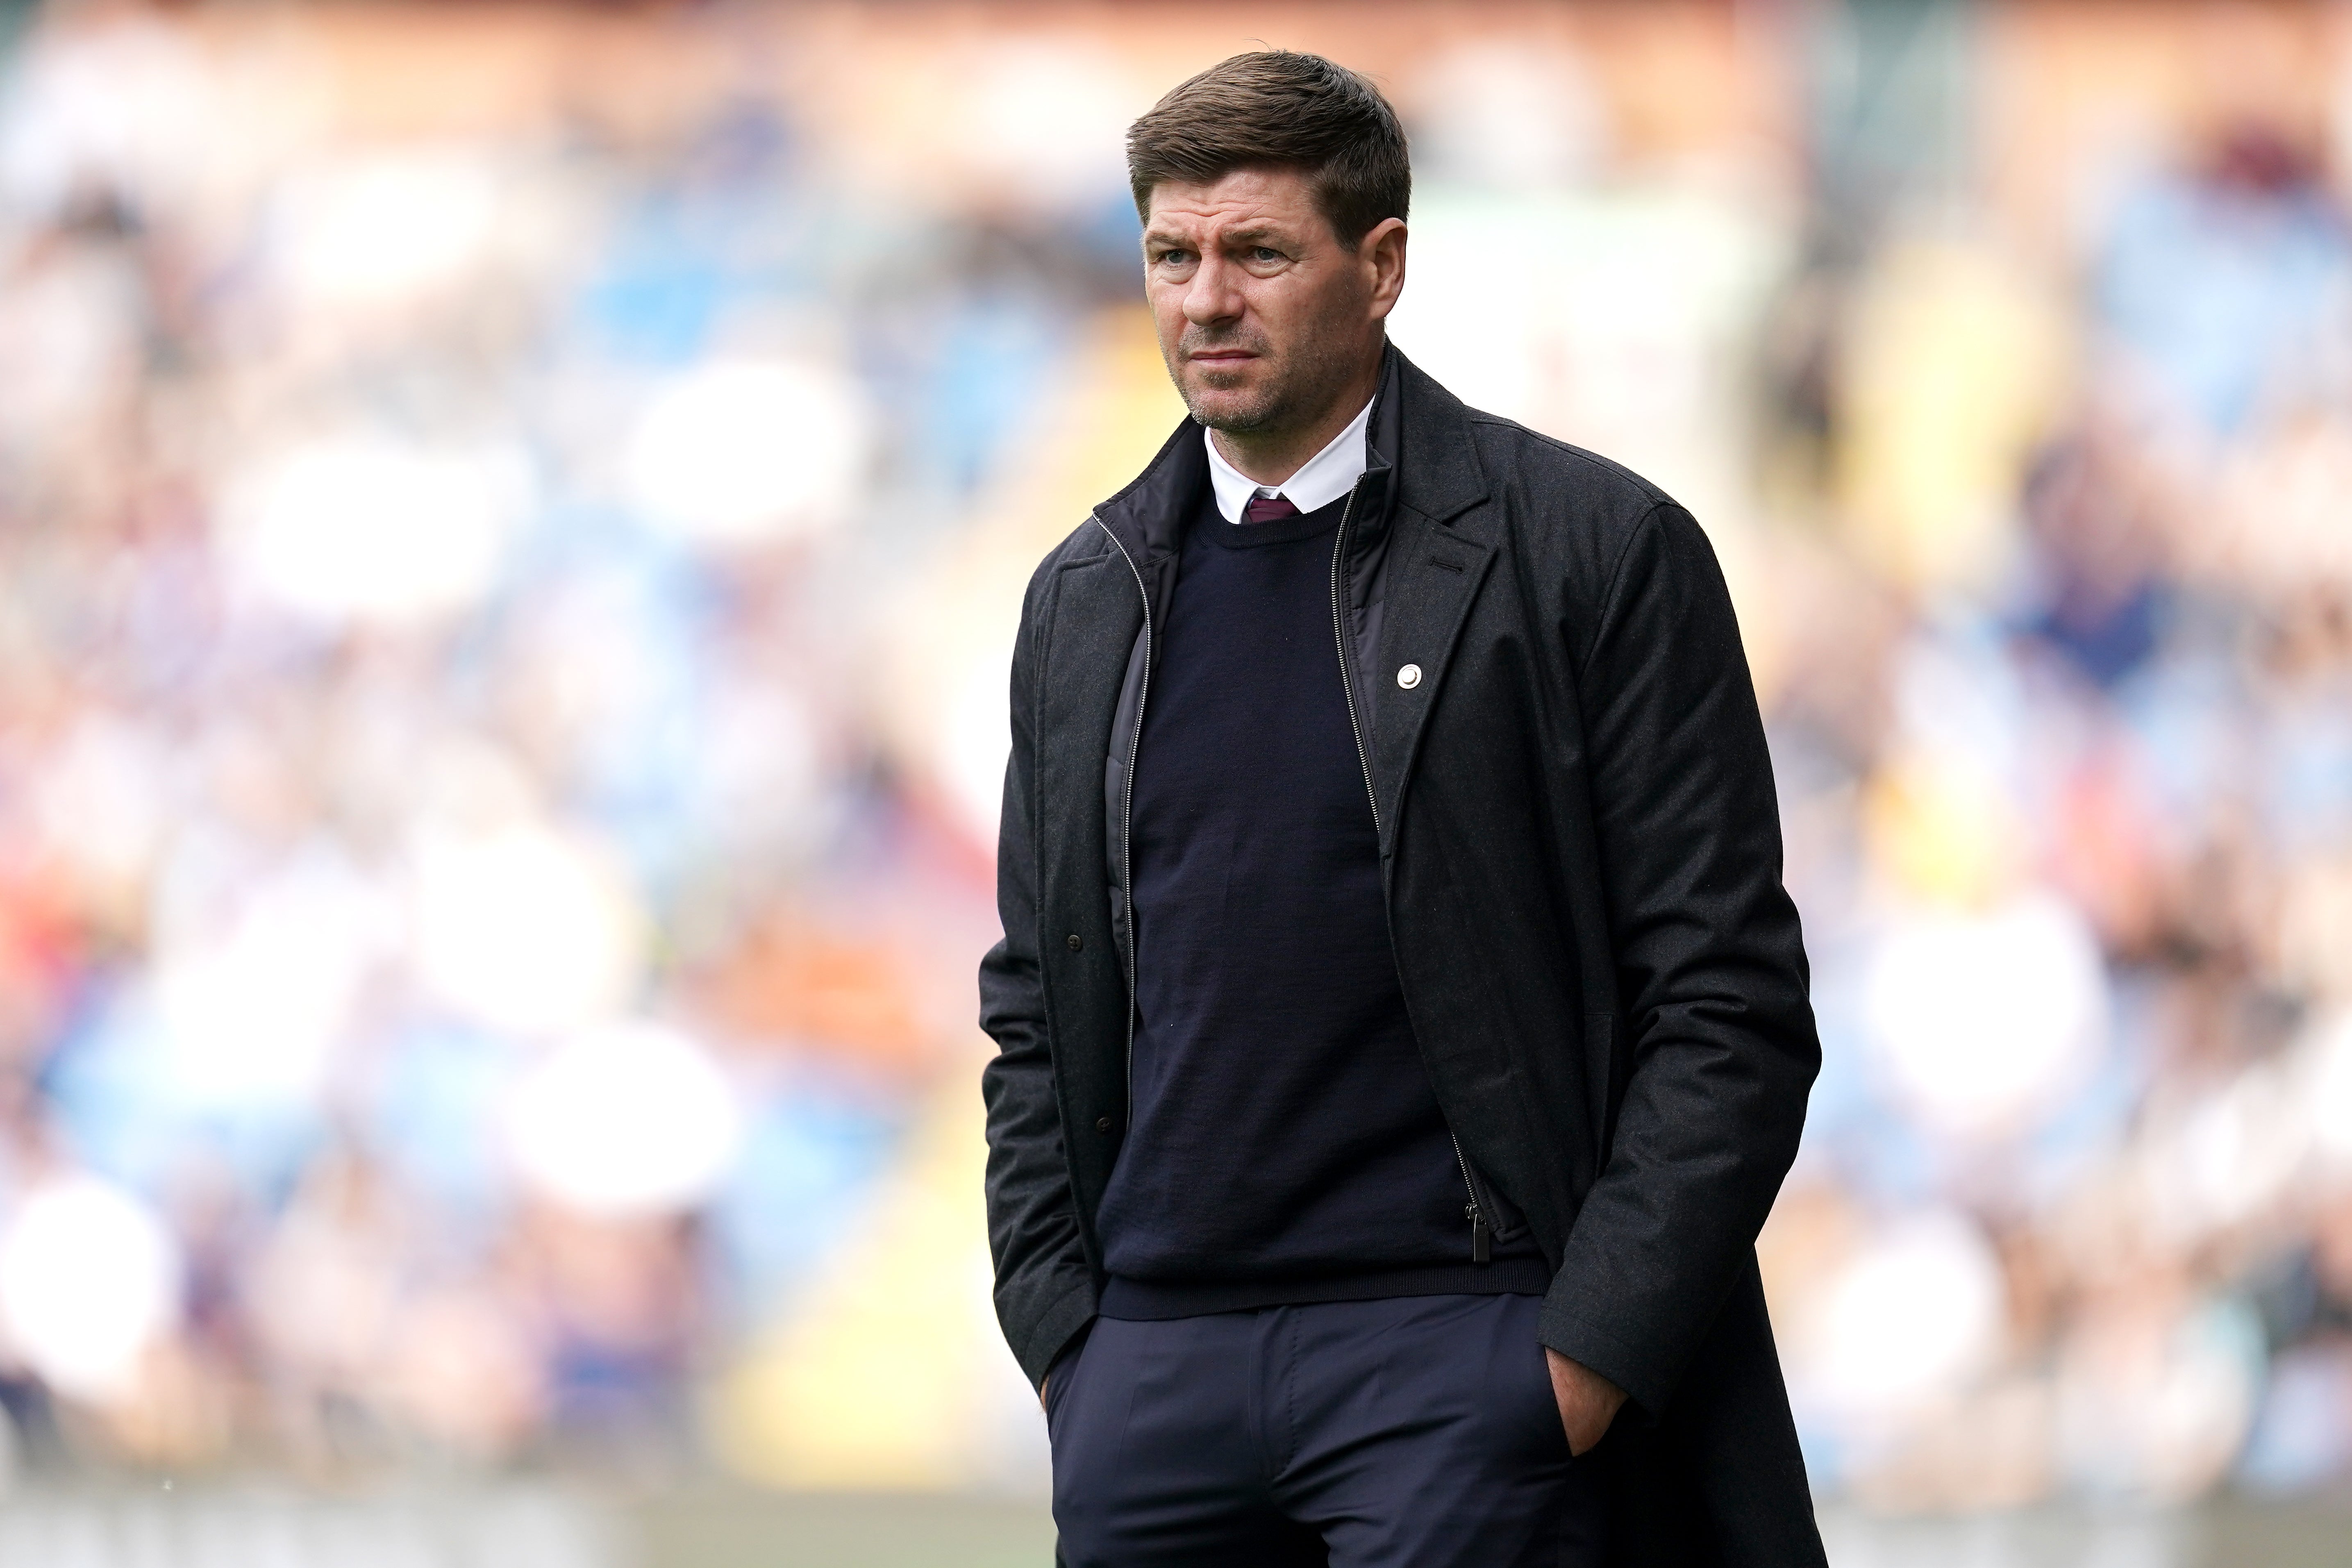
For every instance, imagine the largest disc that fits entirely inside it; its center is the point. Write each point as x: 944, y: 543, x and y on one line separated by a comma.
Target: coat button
x: 1102, y: 1123
x: 1077, y: 942
x: 1409, y: 677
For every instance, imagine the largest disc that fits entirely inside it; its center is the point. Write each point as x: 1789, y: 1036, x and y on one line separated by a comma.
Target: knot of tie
x: 1268, y: 508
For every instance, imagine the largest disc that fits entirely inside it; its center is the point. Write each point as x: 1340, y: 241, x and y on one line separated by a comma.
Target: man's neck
x: 1271, y: 457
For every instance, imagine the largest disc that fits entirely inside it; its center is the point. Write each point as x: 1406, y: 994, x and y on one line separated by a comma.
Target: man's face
x: 1265, y: 317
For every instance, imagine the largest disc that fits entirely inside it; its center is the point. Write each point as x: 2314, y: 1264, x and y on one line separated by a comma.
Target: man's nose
x: 1213, y: 296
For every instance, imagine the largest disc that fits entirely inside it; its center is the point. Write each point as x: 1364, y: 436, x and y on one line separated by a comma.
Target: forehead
x: 1281, y: 199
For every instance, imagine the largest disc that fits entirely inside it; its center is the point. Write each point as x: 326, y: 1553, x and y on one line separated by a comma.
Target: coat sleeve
x: 1720, y: 1046
x: 1045, y: 1289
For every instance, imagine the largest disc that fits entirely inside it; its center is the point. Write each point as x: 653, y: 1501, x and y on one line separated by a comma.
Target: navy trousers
x: 1416, y: 1432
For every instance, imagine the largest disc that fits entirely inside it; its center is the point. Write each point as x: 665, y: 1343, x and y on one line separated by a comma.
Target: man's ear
x: 1382, y: 254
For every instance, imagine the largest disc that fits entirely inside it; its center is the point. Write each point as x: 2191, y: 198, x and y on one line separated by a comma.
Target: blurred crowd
x: 2064, y: 739
x: 466, y: 953
x: 510, y: 524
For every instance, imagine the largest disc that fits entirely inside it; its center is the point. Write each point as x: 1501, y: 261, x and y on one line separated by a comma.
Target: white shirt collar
x: 1321, y: 481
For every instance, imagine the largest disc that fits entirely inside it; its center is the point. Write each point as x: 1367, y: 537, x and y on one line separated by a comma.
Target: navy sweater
x: 1285, y: 1143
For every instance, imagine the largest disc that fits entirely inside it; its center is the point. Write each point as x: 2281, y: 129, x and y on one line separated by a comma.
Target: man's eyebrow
x: 1255, y: 234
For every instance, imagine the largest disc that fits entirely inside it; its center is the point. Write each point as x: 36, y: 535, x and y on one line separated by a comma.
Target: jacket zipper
x: 1482, y: 1249
x: 1127, y: 820
x: 1481, y: 1233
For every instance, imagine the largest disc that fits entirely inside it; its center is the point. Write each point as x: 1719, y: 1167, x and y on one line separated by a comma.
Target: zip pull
x: 1480, y: 1239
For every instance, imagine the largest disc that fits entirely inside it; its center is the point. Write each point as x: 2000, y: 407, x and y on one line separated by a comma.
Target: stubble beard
x: 1302, y: 384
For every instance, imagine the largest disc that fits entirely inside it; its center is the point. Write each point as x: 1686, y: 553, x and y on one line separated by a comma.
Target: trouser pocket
x: 1064, y: 1372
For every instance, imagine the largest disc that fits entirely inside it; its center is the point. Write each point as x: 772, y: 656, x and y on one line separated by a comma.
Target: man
x: 1403, y: 1028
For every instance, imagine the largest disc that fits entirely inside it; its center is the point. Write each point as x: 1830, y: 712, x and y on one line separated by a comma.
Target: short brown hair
x: 1274, y: 108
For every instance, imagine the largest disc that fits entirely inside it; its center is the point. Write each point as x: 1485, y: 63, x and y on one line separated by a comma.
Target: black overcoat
x: 1581, y: 851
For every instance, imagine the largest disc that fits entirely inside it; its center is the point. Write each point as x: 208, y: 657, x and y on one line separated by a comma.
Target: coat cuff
x: 1565, y: 1326
x: 1071, y: 1310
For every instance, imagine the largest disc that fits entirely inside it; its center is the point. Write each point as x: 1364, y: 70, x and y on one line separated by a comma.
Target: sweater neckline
x: 1288, y: 531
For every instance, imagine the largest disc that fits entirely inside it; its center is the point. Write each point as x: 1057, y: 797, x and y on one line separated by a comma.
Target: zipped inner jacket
x: 1285, y: 1145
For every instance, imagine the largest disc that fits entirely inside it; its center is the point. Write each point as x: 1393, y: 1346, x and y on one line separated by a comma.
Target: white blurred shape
x: 1050, y: 117
x: 2234, y: 1155
x: 2328, y: 1097
x: 99, y: 801
x: 89, y: 1280
x: 385, y: 226
x: 361, y: 528
x: 978, y: 738
x: 525, y: 928
x: 1611, y: 319
x: 761, y: 768
x: 251, y: 1012
x: 69, y: 343
x: 1983, y: 1023
x: 133, y: 106
x: 630, y: 1119
x: 1500, y: 113
x: 750, y: 452
x: 1958, y: 701
x: 1913, y: 1315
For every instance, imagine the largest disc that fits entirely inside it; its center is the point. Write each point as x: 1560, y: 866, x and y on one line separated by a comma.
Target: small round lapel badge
x: 1409, y: 677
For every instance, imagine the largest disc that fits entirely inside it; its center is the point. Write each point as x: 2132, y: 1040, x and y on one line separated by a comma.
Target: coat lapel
x: 1433, y: 573
x: 1435, y: 564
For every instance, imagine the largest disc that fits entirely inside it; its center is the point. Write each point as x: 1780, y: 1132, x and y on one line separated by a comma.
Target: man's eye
x: 1174, y: 257
x: 1265, y: 253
